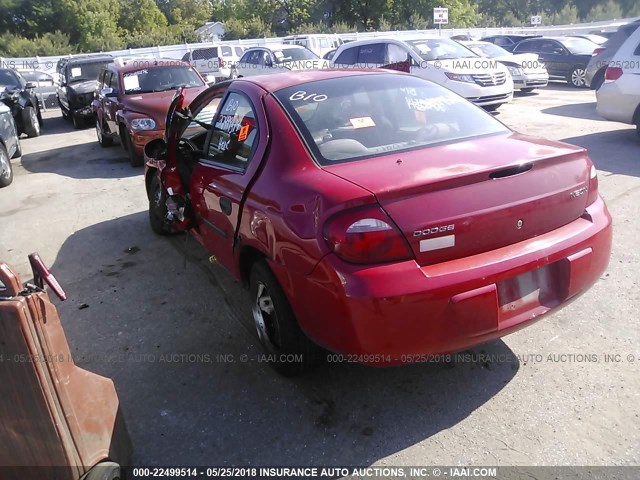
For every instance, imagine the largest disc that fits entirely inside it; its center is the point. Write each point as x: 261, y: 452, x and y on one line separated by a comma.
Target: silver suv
x: 594, y: 73
x: 215, y: 63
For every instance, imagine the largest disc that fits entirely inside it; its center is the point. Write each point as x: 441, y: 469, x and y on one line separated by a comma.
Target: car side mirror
x: 558, y: 51
x: 155, y: 149
x: 108, y: 92
x: 30, y: 85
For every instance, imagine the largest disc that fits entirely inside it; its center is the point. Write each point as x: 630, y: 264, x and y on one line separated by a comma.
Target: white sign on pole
x: 536, y: 20
x: 440, y: 16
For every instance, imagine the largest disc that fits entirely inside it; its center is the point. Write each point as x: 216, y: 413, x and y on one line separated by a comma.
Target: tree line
x: 56, y: 27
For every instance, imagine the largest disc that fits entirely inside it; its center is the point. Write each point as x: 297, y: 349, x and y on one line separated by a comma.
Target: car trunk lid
x: 464, y: 198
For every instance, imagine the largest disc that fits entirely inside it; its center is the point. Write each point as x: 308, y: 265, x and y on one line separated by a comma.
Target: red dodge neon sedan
x: 377, y: 214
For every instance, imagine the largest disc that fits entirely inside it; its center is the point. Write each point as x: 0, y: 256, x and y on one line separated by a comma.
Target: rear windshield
x: 160, y: 79
x: 293, y: 54
x: 488, y: 50
x: 351, y: 118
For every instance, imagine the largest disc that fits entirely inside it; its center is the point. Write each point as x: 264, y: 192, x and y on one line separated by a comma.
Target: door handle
x: 225, y: 205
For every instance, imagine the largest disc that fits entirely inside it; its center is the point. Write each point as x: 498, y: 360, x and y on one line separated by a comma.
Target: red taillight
x: 592, y: 196
x: 598, y: 51
x: 366, y: 235
x: 611, y: 74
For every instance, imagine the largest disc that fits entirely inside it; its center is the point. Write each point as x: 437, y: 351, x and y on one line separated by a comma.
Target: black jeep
x: 78, y: 82
x: 19, y: 95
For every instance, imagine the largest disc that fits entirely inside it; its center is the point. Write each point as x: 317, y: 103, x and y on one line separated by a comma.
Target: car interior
x: 363, y: 123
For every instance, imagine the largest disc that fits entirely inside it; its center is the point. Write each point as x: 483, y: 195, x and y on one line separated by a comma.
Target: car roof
x: 557, y: 39
x: 278, y: 81
x: 276, y: 46
x: 89, y: 59
x: 411, y: 38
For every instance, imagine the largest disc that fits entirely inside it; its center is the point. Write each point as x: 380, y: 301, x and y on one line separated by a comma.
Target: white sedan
x: 527, y: 71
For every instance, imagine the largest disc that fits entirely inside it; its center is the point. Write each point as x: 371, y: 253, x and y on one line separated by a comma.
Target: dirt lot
x: 171, y: 330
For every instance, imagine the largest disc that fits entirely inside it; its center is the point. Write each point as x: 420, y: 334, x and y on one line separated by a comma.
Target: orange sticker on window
x: 243, y: 133
x: 362, y: 122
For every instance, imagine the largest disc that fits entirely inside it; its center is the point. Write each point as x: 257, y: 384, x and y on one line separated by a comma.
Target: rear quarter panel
x: 291, y: 199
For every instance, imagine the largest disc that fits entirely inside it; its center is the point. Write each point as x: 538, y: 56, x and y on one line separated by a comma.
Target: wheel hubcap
x: 5, y: 169
x: 264, y: 317
x: 577, y: 77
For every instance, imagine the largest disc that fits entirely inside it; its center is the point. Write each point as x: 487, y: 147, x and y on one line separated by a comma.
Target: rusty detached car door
x: 57, y: 421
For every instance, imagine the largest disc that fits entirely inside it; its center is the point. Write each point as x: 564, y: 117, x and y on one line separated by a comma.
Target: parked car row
x: 581, y: 64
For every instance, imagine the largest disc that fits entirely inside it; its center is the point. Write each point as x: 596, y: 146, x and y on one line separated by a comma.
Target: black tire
x: 598, y: 79
x: 104, y: 471
x: 577, y: 77
x: 102, y: 140
x: 6, y: 170
x: 30, y: 123
x: 526, y: 90
x: 638, y: 129
x: 77, y: 121
x: 18, y: 152
x: 289, y: 351
x: 134, y: 159
x: 158, y: 207
x: 492, y: 108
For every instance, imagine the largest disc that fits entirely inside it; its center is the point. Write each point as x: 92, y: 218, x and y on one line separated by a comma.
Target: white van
x: 619, y: 95
x: 215, y: 63
x: 317, y: 43
x: 483, y: 81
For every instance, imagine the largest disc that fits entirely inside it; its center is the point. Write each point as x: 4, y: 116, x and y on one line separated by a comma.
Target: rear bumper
x: 532, y: 80
x: 404, y: 309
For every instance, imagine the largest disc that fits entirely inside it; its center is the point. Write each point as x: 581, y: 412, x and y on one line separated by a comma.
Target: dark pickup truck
x: 78, y: 82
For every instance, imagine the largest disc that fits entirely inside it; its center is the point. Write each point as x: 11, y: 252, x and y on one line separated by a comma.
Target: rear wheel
x: 102, y: 140
x: 289, y: 351
x: 492, y: 108
x: 577, y: 77
x: 6, y: 172
x: 30, y: 122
